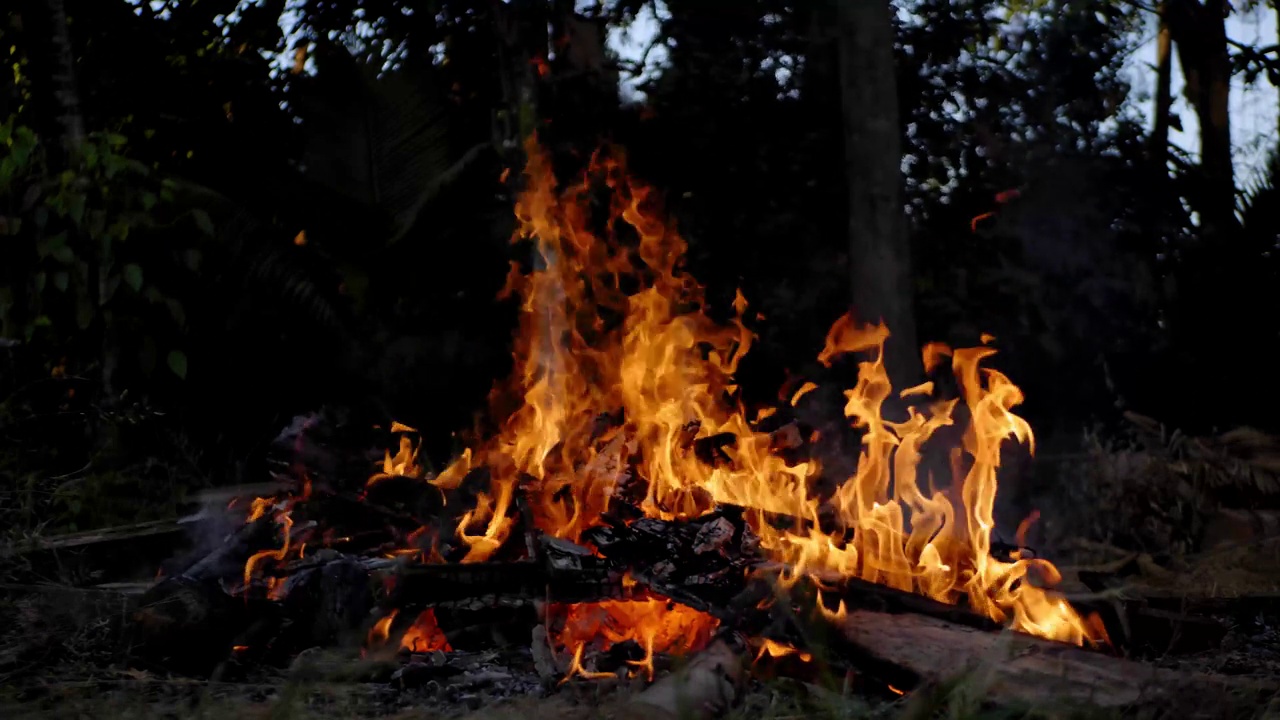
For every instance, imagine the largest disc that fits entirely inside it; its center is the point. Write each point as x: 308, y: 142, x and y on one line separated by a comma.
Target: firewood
x: 327, y: 601
x: 228, y: 557
x: 1020, y: 670
x: 706, y: 687
x: 188, y: 620
x: 96, y: 555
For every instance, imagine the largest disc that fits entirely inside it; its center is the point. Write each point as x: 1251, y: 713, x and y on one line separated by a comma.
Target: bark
x: 879, y: 254
x: 523, y: 42
x: 53, y: 68
x: 1199, y: 31
x: 1159, y: 140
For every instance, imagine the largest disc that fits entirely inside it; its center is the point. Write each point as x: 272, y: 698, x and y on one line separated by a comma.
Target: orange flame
x: 656, y: 625
x: 381, y: 630
x: 776, y: 649
x: 612, y: 324
x: 425, y: 635
x: 286, y: 523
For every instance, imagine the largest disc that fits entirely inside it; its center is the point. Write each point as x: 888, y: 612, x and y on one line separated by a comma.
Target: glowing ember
x: 655, y: 625
x: 425, y: 635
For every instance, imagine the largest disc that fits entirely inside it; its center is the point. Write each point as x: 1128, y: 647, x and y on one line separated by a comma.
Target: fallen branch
x: 1015, y: 669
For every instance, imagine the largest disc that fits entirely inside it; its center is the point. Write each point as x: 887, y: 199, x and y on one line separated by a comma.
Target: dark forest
x: 290, y: 290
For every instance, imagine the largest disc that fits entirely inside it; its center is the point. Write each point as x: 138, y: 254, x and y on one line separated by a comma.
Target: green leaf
x: 133, y: 276
x: 40, y: 281
x: 119, y: 230
x: 97, y: 222
x: 203, y: 221
x: 113, y: 164
x: 63, y: 254
x: 60, y: 280
x: 115, y: 139
x: 75, y: 209
x: 178, y: 363
x: 148, y: 200
x: 84, y: 312
x: 175, y: 309
x: 113, y: 284
x: 90, y: 155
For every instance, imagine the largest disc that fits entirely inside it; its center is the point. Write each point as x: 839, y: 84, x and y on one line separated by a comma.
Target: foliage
x: 89, y: 249
x: 290, y: 219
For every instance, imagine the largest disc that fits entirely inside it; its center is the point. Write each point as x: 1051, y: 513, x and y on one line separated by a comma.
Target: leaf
x: 177, y: 361
x: 75, y: 209
x: 97, y: 223
x: 133, y: 276
x: 175, y: 309
x: 380, y: 139
x: 113, y: 284
x: 84, y: 312
x: 60, y: 280
x: 148, y: 200
x: 63, y: 254
x: 40, y: 281
x: 203, y: 221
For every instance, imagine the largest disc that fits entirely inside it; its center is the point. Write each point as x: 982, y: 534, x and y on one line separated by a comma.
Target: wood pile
x: 388, y: 566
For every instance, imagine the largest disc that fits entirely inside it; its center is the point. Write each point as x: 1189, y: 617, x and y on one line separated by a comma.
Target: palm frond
x: 381, y: 139
x: 1258, y: 202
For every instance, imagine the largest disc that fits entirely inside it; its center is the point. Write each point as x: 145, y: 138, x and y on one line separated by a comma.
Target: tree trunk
x: 1199, y: 30
x: 44, y: 23
x: 1158, y: 143
x: 522, y: 35
x: 879, y: 254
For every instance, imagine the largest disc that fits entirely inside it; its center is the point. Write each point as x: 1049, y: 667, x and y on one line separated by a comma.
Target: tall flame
x: 612, y: 324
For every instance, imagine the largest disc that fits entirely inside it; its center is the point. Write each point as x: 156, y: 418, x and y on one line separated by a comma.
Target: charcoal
x: 711, y: 449
x: 328, y: 600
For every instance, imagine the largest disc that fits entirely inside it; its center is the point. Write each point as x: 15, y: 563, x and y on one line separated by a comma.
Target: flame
x: 612, y: 325
x: 275, y: 589
x: 776, y: 649
x: 425, y: 635
x: 381, y: 630
x: 655, y: 624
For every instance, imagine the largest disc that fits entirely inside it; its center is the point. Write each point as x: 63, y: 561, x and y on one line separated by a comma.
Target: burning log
x: 188, y: 619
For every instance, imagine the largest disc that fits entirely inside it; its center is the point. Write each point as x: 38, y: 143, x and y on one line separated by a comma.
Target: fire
x: 425, y: 635
x: 776, y: 650
x: 612, y: 324
x: 381, y: 630
x: 656, y: 625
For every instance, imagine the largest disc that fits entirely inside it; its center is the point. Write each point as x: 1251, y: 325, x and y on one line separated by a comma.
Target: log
x: 187, y: 620
x: 97, y: 555
x: 1018, y: 670
x: 704, y: 688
